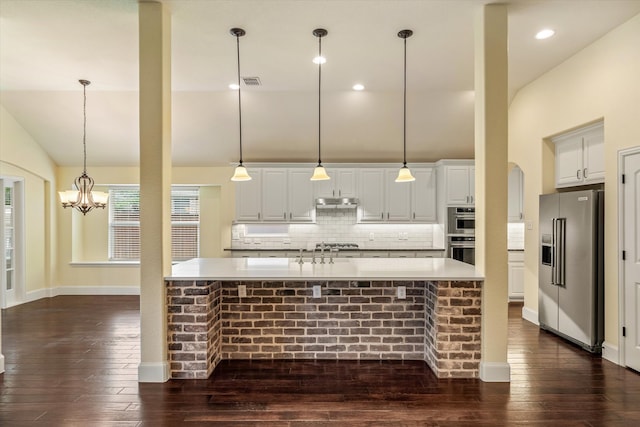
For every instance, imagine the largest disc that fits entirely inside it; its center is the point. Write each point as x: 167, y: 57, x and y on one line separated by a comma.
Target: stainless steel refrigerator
x: 571, y: 269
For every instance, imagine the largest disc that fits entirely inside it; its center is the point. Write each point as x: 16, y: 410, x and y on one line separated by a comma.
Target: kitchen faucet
x: 322, y: 253
x: 300, y: 260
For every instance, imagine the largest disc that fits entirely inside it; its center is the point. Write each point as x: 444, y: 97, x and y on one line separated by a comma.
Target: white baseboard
x: 611, y: 352
x: 495, y: 372
x: 153, y: 372
x: 530, y: 315
x: 1, y: 363
x: 97, y: 290
x: 39, y: 294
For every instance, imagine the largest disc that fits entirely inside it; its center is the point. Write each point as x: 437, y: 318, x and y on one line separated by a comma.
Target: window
x: 124, y: 223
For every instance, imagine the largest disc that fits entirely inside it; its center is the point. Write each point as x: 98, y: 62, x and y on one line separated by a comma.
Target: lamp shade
x: 320, y: 174
x: 100, y: 198
x: 404, y: 175
x: 241, y: 174
x: 68, y: 197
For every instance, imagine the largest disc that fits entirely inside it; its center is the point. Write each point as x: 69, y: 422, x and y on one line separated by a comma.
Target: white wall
x: 600, y: 82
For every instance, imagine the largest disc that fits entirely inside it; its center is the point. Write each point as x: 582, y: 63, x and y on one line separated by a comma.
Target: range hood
x: 336, y: 203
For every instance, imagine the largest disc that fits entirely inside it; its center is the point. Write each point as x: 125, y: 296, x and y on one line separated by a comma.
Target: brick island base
x: 438, y: 322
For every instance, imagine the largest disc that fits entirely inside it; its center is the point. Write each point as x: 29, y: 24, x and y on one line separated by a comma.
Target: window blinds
x: 124, y: 223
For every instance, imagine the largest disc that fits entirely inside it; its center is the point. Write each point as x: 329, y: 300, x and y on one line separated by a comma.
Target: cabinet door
x: 325, y: 189
x: 593, y: 156
x: 472, y: 185
x: 274, y: 195
x: 372, y: 194
x: 398, y: 198
x: 569, y: 162
x: 249, y: 197
x: 516, y: 280
x: 515, y: 195
x: 301, y: 203
x: 458, y: 185
x: 423, y: 196
x: 346, y: 183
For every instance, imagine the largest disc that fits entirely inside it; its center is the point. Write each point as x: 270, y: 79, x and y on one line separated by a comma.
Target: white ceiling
x: 47, y: 45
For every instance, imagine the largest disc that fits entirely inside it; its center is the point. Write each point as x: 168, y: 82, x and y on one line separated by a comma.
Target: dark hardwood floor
x: 72, y: 361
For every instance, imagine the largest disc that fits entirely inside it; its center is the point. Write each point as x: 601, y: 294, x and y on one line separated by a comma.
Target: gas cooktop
x: 337, y: 245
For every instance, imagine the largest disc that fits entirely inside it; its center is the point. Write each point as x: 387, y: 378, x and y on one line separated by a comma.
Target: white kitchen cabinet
x: 397, y: 198
x: 301, y: 202
x: 343, y: 183
x: 460, y: 180
x: 580, y: 157
x: 402, y: 254
x: 274, y: 194
x: 371, y: 195
x: 249, y: 197
x: 516, y: 275
x: 430, y: 254
x: 343, y: 254
x: 515, y: 195
x: 423, y: 196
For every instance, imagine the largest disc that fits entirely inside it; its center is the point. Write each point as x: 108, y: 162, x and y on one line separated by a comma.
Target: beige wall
x: 22, y: 157
x: 601, y: 81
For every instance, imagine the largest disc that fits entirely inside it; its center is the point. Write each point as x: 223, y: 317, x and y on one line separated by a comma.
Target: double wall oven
x: 461, y: 234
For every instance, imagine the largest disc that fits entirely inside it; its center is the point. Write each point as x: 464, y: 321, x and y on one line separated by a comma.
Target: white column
x: 491, y: 130
x: 155, y: 187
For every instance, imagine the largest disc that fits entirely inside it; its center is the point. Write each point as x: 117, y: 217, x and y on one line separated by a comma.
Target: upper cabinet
x: 423, y: 196
x: 580, y: 156
x: 286, y: 194
x: 343, y: 183
x: 275, y: 195
x: 249, y: 197
x: 384, y: 200
x: 515, y: 202
x: 460, y: 184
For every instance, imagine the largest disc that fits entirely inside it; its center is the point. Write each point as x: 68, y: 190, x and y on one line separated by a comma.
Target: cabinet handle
x: 520, y: 215
x: 258, y: 215
x: 584, y: 173
x: 284, y: 215
x: 333, y: 193
x: 414, y: 215
x: 578, y: 174
x: 382, y: 215
x: 290, y: 215
x: 387, y: 216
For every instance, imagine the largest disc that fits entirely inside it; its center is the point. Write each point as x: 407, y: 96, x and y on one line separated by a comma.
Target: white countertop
x: 342, y: 269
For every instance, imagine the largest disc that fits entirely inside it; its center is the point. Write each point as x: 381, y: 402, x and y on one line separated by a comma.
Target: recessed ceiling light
x: 358, y: 86
x: 545, y: 34
x: 319, y: 60
x: 234, y: 86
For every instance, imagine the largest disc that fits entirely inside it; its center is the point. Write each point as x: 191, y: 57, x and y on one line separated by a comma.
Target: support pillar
x: 491, y: 134
x: 155, y: 187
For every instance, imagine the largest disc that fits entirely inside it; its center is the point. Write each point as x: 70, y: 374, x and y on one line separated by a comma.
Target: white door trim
x: 621, y: 277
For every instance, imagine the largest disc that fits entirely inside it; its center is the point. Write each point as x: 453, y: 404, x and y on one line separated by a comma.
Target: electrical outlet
x: 317, y: 291
x: 529, y: 225
x: 402, y: 292
x: 242, y: 291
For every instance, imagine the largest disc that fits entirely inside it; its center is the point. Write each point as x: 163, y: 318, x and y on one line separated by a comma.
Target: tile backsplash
x: 336, y: 225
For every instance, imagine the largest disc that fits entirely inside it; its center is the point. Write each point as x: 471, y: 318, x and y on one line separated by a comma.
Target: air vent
x: 252, y: 81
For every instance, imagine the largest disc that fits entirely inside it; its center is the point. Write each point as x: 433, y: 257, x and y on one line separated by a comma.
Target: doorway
x: 12, y: 238
x: 629, y: 271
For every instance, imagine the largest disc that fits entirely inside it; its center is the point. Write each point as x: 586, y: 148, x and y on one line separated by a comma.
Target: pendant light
x: 241, y: 173
x: 319, y: 173
x: 83, y: 198
x: 404, y: 174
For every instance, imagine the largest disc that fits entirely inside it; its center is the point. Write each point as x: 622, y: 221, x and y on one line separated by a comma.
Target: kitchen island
x: 363, y: 309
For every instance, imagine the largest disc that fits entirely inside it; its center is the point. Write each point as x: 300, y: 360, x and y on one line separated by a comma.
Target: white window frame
x: 189, y: 251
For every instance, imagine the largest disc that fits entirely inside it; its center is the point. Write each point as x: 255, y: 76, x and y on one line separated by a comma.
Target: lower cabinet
x: 516, y: 275
x: 340, y: 254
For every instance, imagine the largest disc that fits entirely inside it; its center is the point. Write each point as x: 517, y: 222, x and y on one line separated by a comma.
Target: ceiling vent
x: 252, y: 81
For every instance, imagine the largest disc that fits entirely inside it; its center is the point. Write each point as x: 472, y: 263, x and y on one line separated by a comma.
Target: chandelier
x: 83, y: 198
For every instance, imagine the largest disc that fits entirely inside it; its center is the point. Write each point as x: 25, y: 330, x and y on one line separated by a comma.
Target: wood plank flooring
x: 72, y: 361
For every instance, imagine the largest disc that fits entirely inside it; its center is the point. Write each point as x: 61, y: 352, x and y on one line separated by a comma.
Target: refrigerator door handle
x: 553, y: 251
x: 561, y: 257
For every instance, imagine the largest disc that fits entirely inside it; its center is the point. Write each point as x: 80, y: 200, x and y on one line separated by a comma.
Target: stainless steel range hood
x: 336, y: 203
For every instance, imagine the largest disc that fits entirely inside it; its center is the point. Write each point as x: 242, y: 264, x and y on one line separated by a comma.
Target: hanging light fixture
x: 319, y: 173
x: 83, y: 198
x: 241, y: 173
x: 404, y: 174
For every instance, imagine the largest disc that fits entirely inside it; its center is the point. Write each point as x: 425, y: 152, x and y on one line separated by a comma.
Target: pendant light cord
x: 319, y: 95
x: 404, y: 112
x: 84, y: 129
x: 239, y: 97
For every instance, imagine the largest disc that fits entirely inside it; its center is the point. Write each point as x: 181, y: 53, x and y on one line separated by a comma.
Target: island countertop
x: 342, y: 269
